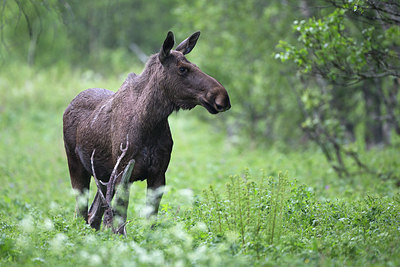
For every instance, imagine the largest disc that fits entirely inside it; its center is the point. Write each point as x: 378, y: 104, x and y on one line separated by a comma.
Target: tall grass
x: 219, y: 207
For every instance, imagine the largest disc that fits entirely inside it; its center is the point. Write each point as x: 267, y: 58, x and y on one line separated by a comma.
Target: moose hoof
x: 94, y: 221
x: 121, y: 230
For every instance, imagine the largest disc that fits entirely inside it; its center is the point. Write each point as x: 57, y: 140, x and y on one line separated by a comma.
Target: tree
x: 45, y: 32
x: 351, y: 51
x: 23, y: 28
x: 238, y: 45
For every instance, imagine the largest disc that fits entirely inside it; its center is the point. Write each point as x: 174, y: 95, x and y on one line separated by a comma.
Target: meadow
x: 226, y: 203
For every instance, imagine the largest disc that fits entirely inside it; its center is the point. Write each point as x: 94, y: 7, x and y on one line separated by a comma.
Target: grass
x: 225, y: 204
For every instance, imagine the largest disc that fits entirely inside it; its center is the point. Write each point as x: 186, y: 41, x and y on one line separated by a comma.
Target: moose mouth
x: 209, y: 107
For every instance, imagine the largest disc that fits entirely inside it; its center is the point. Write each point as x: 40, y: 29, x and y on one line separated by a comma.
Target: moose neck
x: 145, y: 97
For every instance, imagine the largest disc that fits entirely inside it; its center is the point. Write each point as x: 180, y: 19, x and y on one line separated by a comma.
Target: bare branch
x: 28, y: 21
x: 123, y: 150
x: 103, y: 199
x: 113, y: 178
x: 121, y: 195
x: 139, y: 53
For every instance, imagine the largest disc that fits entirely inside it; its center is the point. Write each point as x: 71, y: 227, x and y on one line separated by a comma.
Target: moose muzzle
x: 217, y: 100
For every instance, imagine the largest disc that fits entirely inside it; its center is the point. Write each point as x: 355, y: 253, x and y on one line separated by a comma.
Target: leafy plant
x: 318, y: 219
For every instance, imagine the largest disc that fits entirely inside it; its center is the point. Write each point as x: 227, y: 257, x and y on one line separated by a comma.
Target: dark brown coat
x: 101, y: 120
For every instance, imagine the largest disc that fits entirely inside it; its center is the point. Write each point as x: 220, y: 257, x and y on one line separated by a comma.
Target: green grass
x: 224, y: 204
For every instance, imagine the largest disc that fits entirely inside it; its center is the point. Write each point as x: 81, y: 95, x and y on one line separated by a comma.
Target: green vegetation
x: 303, y: 170
x: 215, y: 210
x: 350, y: 55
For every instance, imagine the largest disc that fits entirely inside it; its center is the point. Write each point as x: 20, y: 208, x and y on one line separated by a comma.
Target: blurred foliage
x: 351, y: 53
x: 236, y: 46
x: 338, y: 86
x: 47, y: 32
x: 239, y: 40
x: 320, y: 220
x: 50, y: 50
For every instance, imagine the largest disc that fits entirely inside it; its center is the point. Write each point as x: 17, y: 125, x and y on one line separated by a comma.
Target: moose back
x: 137, y: 114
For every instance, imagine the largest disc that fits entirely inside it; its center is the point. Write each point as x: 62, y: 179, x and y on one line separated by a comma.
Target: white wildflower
x: 58, y: 242
x: 201, y: 226
x: 27, y: 224
x: 187, y: 195
x: 95, y: 260
x: 53, y: 205
x: 48, y: 224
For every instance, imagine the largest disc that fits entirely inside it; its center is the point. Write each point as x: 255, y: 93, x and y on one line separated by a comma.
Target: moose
x: 105, y: 131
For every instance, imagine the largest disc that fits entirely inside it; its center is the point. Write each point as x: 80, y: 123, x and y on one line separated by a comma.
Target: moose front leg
x: 115, y: 217
x: 155, y: 191
x: 119, y: 210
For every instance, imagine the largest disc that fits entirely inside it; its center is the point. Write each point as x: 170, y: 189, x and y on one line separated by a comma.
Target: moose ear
x: 188, y: 44
x: 166, y: 47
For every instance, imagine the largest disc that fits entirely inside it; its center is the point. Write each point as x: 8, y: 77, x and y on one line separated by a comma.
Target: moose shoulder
x: 137, y: 114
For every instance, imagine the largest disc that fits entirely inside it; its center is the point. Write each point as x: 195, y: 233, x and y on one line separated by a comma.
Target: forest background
x: 314, y: 90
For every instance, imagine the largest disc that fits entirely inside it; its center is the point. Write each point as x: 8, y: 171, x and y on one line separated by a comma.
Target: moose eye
x: 183, y: 70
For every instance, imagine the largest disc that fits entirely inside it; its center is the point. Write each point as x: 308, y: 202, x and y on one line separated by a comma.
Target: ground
x: 225, y: 203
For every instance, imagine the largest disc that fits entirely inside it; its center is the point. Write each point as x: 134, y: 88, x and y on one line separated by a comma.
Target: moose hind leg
x: 155, y: 191
x: 80, y: 181
x: 96, y: 211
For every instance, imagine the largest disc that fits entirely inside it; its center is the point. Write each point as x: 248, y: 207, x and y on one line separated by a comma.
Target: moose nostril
x: 219, y: 107
x: 221, y: 104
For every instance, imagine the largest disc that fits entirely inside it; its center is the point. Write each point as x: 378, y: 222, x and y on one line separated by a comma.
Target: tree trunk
x: 373, y: 117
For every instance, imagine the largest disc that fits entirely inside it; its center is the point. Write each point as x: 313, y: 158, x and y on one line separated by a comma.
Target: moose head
x: 186, y: 85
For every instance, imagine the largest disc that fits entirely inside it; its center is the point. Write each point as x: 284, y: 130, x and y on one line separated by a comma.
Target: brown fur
x: 98, y: 119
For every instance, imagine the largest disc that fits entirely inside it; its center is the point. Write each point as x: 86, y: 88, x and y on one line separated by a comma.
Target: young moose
x: 137, y: 115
